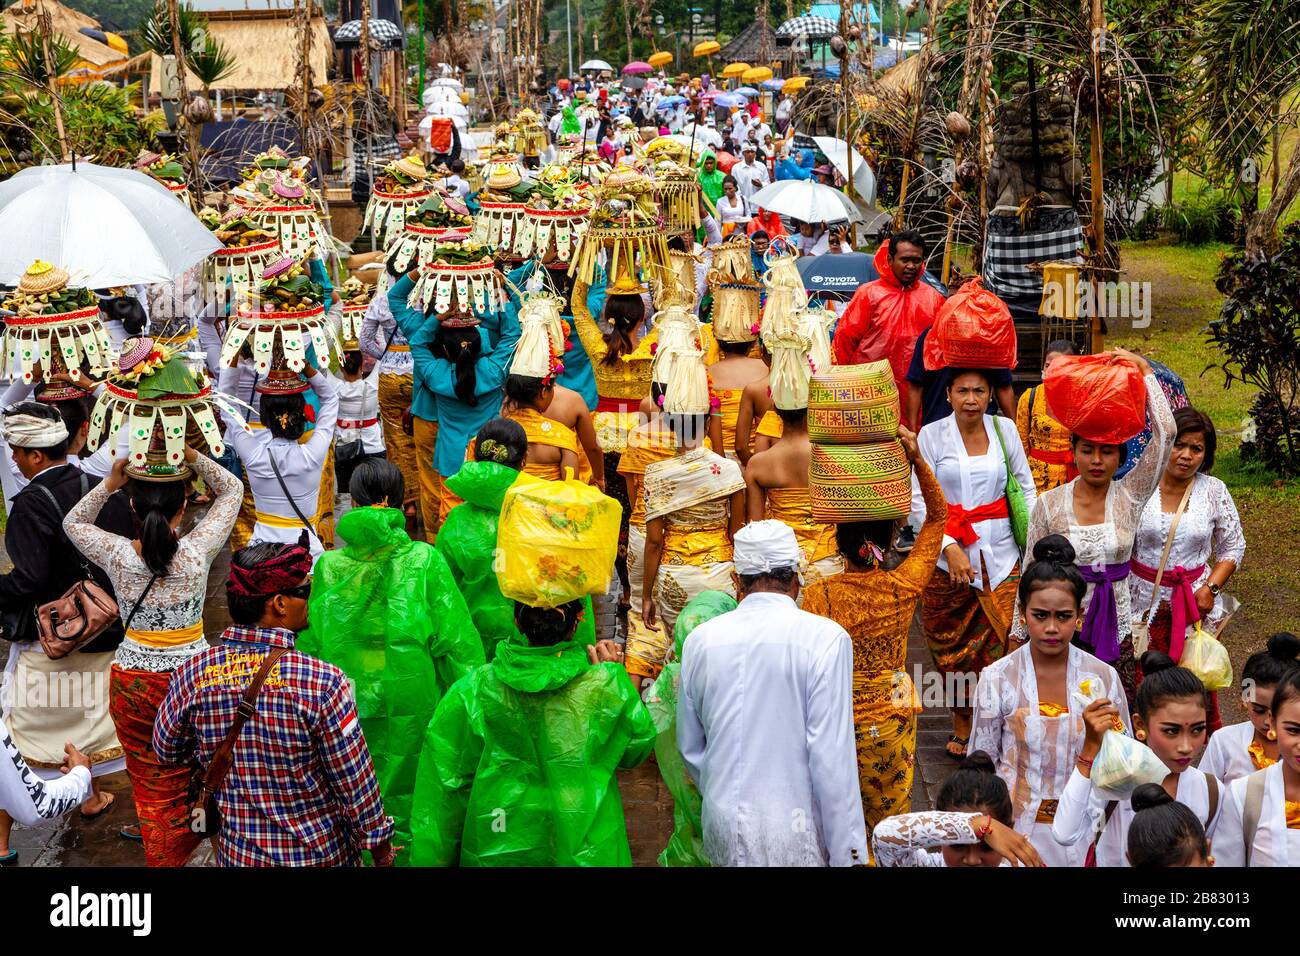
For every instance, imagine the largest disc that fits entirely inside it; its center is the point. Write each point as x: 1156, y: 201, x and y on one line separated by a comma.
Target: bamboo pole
x: 1097, y: 342
x: 45, y: 26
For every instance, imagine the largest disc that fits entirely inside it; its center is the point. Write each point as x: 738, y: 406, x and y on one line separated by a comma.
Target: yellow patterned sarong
x: 394, y: 400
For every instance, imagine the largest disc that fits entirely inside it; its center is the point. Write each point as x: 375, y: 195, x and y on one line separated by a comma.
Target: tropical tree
x: 1248, y: 68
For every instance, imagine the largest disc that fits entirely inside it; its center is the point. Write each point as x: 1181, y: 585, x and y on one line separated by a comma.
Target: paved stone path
x: 648, y: 806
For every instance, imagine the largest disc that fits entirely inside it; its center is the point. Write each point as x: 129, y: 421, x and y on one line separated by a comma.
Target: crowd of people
x: 380, y: 696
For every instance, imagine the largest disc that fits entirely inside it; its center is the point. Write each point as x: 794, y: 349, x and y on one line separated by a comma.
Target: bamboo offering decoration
x: 626, y: 222
x: 555, y: 216
x: 356, y: 296
x: 287, y: 312
x: 276, y: 197
x: 677, y: 191
x: 232, y: 271
x: 152, y: 390
x: 53, y: 324
x: 458, y: 275
x: 442, y: 217
x: 399, y: 190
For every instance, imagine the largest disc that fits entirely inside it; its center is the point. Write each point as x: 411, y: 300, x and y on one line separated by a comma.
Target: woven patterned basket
x: 852, y: 404
x: 865, y: 482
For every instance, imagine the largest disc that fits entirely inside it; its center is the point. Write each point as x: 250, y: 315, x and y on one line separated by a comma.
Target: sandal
x: 131, y: 832
x: 112, y: 798
x: 9, y: 859
x: 959, y: 741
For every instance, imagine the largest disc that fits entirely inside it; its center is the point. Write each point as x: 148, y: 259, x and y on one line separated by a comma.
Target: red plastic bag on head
x: 973, y: 329
x: 883, y: 321
x: 725, y: 160
x: 1100, y: 398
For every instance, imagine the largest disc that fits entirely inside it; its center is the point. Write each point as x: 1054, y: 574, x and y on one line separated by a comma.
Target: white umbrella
x: 837, y: 151
x: 106, y: 226
x: 806, y: 200
x: 596, y: 65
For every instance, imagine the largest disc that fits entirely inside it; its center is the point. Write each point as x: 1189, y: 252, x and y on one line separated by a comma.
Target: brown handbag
x: 84, y: 612
x: 205, y: 815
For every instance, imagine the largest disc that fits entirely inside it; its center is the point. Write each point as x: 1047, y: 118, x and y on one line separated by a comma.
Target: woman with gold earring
x: 1025, y: 716
x: 1241, y: 749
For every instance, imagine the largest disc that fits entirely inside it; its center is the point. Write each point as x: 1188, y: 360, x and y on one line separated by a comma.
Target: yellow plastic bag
x: 556, y: 541
x: 1208, y: 659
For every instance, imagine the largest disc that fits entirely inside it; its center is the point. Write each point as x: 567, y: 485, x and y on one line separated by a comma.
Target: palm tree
x: 1248, y: 62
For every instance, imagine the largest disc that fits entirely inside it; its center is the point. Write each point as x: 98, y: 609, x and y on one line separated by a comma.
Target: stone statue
x: 1012, y: 170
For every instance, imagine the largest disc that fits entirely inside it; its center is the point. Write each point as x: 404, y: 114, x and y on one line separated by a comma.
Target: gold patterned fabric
x: 1040, y: 432
x: 965, y: 629
x: 431, y: 489
x: 771, y: 426
x: 690, y: 492
x: 876, y: 608
x: 394, y: 400
x: 645, y: 445
x: 539, y: 430
x: 694, y: 478
x: 794, y: 507
x: 729, y: 411
x: 629, y: 378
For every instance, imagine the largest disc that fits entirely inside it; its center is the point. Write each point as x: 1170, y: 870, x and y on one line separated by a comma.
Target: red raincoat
x: 883, y: 321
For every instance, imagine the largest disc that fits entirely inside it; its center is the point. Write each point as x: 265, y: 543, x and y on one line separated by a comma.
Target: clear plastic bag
x: 1208, y: 659
x: 1122, y: 764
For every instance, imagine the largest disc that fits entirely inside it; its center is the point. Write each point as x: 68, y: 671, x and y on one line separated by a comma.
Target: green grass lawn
x: 1184, y: 300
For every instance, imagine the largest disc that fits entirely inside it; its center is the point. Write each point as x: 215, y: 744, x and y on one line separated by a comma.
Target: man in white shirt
x: 784, y: 112
x: 765, y: 720
x: 739, y: 129
x: 750, y: 175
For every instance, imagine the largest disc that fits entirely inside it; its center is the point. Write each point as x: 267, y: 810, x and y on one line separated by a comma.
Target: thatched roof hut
x: 22, y: 17
x: 746, y: 45
x: 264, y: 45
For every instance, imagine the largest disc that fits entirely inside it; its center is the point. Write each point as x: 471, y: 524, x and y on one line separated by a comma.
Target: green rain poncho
x: 468, y: 540
x: 569, y: 125
x: 386, y: 610
x: 519, y: 762
x: 686, y: 846
x: 711, y: 183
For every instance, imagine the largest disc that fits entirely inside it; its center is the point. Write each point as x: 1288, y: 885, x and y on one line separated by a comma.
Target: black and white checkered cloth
x: 808, y: 25
x: 383, y: 33
x: 1008, y: 251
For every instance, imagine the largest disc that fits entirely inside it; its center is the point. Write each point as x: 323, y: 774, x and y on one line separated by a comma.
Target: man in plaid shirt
x: 302, y: 789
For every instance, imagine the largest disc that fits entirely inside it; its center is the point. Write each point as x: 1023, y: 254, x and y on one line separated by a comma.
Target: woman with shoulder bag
x: 1190, y: 518
x: 160, y: 581
x: 966, y: 606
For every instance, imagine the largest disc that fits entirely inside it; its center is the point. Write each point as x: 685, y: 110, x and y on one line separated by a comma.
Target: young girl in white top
x: 971, y: 827
x: 1025, y: 716
x: 1241, y: 749
x: 1261, y: 812
x: 358, y: 417
x: 1171, y: 720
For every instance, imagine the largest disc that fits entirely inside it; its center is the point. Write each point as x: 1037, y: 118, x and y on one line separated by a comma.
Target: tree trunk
x: 1262, y: 232
x: 627, y: 28
x: 578, y: 5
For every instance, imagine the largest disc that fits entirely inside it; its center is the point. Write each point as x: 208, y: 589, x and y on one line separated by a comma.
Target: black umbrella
x: 843, y: 272
x: 839, y: 272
